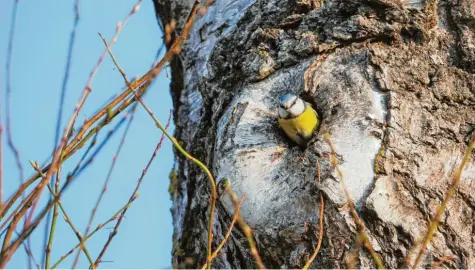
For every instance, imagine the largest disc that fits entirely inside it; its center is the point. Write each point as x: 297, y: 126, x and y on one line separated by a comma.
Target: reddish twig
x: 57, y: 154
x: 7, y: 252
x: 246, y: 229
x: 11, y: 145
x: 228, y: 233
x: 98, y: 228
x: 73, y: 146
x: 351, y: 205
x: 78, y: 107
x: 61, y: 104
x: 132, y: 197
x: 143, y: 82
x: 440, y: 210
x: 320, y: 238
x: 66, y: 217
x: 66, y: 71
x: 446, y: 258
x: 10, y: 142
x: 106, y: 183
x: 175, y: 49
x: 30, y: 254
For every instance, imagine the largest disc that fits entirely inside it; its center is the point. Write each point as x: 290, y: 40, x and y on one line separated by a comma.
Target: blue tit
x: 297, y: 118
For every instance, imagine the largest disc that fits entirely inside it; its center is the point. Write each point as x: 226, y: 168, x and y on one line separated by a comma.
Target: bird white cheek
x: 297, y: 109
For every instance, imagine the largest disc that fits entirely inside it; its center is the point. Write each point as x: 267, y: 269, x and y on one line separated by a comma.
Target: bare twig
x: 8, y: 78
x: 69, y: 57
x: 30, y: 254
x: 320, y: 237
x: 101, y: 145
x: 98, y: 228
x: 106, y: 183
x: 52, y: 231
x: 132, y: 197
x: 68, y: 150
x: 440, y: 210
x: 143, y: 82
x: 438, y: 263
x: 83, y: 157
x: 87, y: 90
x: 56, y: 156
x: 61, y: 104
x: 66, y: 218
x: 175, y: 48
x: 351, y: 205
x: 246, y: 229
x: 228, y: 233
x: 7, y: 252
x: 10, y: 142
x: 352, y: 256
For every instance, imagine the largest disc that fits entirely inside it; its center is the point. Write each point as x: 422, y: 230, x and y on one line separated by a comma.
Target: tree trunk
x: 394, y: 85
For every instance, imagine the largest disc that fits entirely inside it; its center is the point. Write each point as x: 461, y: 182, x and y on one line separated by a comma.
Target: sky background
x: 38, y: 62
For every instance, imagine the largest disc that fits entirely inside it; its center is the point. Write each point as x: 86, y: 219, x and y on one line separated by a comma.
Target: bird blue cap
x: 286, y: 97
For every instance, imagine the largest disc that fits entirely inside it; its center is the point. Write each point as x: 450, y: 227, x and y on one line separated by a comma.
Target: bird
x: 297, y: 118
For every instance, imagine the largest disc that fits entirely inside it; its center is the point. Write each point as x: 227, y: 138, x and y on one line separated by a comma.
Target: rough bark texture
x: 394, y: 84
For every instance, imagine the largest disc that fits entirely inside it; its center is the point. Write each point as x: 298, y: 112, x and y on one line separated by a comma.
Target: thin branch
x: 145, y: 79
x: 76, y: 232
x: 101, y: 145
x: 98, y: 228
x: 172, y: 139
x: 61, y: 101
x: 132, y: 197
x: 52, y: 167
x: 10, y: 142
x: 49, y: 244
x: 438, y: 263
x: 246, y: 229
x: 228, y: 233
x: 13, y: 213
x: 351, y: 205
x: 8, y: 72
x: 320, y: 237
x: 66, y: 217
x: 7, y: 252
x: 106, y: 183
x: 36, y: 193
x: 83, y: 157
x: 176, y: 47
x: 87, y: 90
x: 56, y: 157
x: 30, y: 254
x: 67, y: 155
x: 69, y: 57
x: 77, y: 142
x: 441, y: 209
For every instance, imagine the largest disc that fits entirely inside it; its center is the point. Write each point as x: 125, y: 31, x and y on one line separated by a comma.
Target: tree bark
x: 394, y: 85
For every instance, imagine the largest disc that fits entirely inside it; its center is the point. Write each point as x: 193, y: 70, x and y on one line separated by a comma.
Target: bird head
x: 290, y: 106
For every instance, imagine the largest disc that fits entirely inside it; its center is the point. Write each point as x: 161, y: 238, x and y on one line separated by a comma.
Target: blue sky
x: 39, y: 58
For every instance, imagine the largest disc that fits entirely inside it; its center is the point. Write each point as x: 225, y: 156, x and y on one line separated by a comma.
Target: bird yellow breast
x: 303, y: 124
